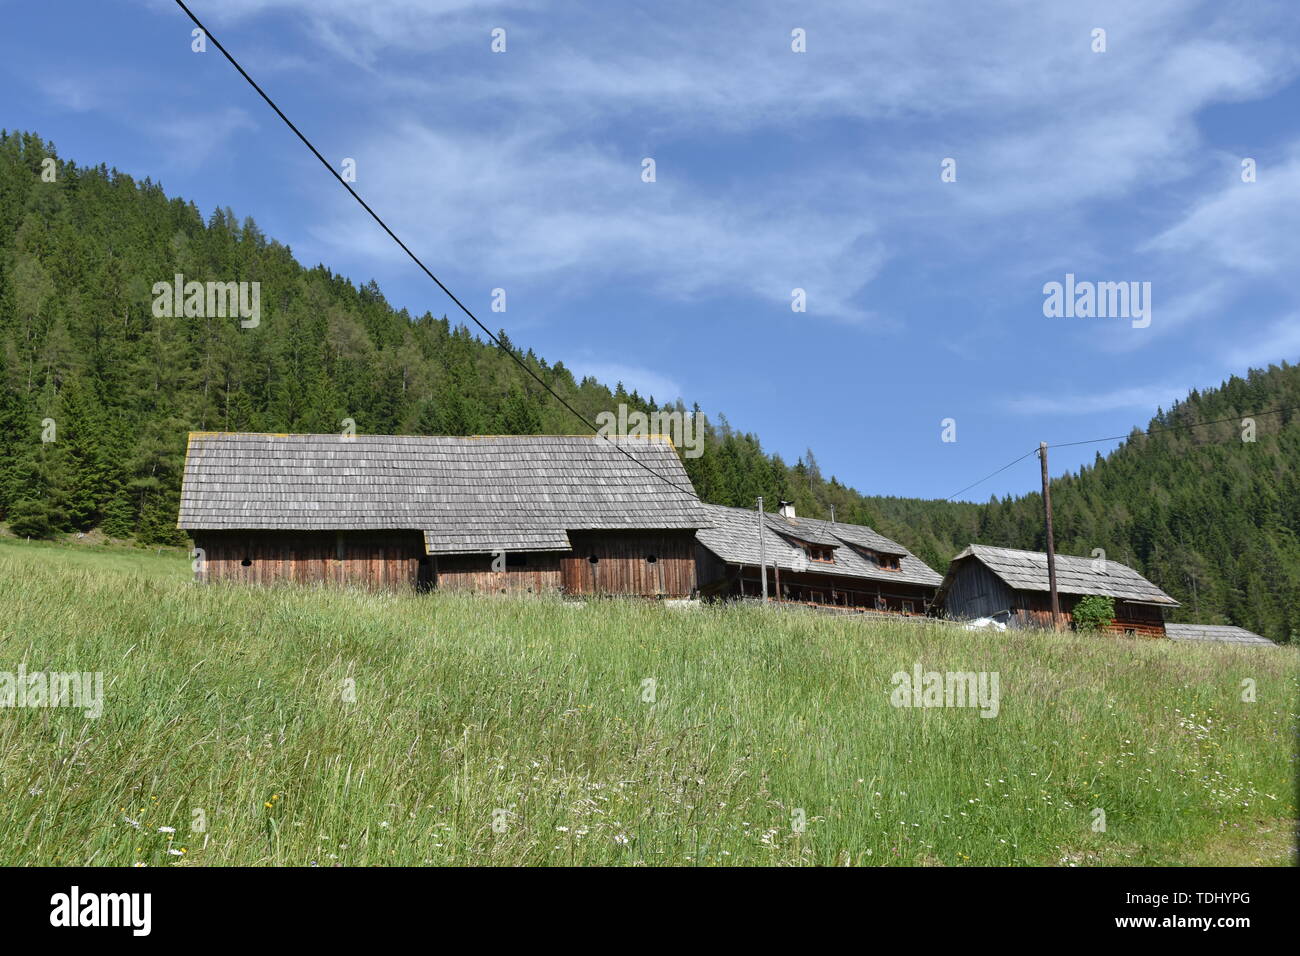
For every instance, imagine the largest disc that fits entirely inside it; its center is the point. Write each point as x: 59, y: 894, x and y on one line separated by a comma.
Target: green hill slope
x: 1211, y: 519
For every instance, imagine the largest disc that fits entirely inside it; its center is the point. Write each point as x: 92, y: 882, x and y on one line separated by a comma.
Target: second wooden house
x: 810, y: 561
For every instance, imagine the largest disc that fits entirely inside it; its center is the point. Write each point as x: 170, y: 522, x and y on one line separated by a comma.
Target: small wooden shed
x: 527, y: 513
x: 1011, y: 586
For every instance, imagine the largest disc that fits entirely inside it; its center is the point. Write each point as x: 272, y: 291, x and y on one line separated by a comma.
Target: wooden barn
x: 535, y: 513
x: 810, y: 561
x: 1011, y: 587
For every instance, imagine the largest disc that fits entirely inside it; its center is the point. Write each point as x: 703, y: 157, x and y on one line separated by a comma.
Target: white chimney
x: 786, y: 510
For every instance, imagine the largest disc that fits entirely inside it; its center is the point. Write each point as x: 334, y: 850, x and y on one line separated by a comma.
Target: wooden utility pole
x: 762, y: 550
x: 1051, y: 542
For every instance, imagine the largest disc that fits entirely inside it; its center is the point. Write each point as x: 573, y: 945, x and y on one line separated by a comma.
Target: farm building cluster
x: 587, y: 516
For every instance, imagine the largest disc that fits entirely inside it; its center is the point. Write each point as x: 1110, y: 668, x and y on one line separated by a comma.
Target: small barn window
x: 593, y: 559
x: 650, y: 559
x: 246, y: 563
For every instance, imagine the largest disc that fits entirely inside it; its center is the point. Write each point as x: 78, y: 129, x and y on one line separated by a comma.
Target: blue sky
x: 775, y: 170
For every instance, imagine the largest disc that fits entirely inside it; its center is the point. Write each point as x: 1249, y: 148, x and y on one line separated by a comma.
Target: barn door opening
x: 425, y: 578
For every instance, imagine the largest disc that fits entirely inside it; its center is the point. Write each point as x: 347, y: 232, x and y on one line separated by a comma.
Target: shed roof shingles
x: 1027, y: 571
x: 1215, y: 633
x: 522, y: 492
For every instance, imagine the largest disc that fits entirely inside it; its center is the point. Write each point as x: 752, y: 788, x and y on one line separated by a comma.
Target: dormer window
x: 886, y: 562
x: 820, y: 552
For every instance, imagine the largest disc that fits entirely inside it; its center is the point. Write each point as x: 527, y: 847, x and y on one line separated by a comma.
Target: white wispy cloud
x: 190, y: 139
x: 1277, y: 341
x: 528, y: 206
x: 645, y: 382
x: 1247, y: 227
x: 523, y: 167
x: 1148, y: 397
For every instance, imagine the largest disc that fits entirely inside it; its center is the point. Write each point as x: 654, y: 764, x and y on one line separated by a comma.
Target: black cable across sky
x: 524, y: 365
x: 416, y: 259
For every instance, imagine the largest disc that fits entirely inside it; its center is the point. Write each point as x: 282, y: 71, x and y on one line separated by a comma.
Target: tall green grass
x: 516, y: 731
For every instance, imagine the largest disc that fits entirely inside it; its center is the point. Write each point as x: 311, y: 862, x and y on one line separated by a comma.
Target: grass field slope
x: 299, y: 727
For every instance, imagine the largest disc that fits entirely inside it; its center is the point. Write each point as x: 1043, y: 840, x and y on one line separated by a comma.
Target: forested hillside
x: 1212, y: 519
x: 83, y: 361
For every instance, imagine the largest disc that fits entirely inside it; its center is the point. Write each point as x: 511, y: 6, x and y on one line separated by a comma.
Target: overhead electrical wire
x: 524, y: 365
x: 416, y: 259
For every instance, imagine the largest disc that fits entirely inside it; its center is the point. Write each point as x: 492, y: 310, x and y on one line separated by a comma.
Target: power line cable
x: 987, y: 477
x: 1149, y: 431
x: 416, y: 259
x: 521, y: 363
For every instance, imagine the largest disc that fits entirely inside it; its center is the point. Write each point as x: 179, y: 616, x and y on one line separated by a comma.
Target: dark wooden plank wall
x: 396, y: 559
x: 713, y: 576
x: 538, y: 574
x: 975, y: 591
x: 1036, y: 611
x: 622, y: 567
x: 623, y: 563
x: 836, y: 590
x: 373, y: 559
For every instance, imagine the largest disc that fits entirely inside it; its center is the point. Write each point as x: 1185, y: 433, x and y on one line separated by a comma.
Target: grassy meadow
x: 302, y: 727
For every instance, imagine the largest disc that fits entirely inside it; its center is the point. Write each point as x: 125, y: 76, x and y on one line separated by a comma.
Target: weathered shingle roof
x: 804, y: 529
x: 1027, y: 571
x: 476, y: 494
x: 862, y: 536
x: 1217, y: 633
x: 734, y: 538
